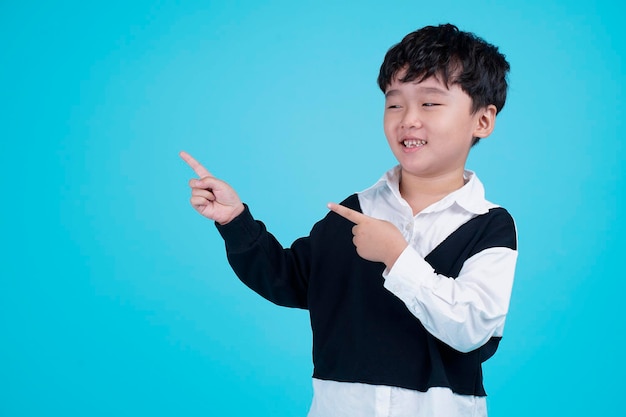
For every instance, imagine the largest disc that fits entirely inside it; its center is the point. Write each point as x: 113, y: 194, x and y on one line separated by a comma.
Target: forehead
x: 430, y: 85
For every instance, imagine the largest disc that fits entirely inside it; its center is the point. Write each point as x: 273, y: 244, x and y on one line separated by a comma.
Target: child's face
x: 430, y: 127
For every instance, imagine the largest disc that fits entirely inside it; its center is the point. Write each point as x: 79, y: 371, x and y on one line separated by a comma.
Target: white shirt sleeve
x: 464, y: 312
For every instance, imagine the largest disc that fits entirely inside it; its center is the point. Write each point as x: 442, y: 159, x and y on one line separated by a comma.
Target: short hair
x: 457, y: 57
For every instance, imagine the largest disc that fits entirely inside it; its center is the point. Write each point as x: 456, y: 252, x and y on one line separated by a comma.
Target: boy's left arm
x: 464, y: 312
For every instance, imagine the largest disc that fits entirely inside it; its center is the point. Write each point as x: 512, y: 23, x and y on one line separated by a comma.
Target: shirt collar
x: 470, y: 197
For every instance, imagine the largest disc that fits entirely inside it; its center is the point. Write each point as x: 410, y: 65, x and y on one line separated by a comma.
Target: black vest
x: 361, y: 331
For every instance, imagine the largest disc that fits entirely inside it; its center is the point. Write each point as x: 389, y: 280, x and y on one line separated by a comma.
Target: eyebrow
x: 422, y: 90
x: 433, y: 90
x: 392, y: 93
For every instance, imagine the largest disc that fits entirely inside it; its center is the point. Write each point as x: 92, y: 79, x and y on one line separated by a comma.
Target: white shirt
x: 464, y: 312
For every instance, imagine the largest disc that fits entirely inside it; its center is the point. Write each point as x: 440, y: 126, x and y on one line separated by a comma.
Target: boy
x: 408, y: 282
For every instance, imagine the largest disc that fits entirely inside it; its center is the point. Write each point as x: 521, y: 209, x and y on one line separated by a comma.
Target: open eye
x: 430, y: 104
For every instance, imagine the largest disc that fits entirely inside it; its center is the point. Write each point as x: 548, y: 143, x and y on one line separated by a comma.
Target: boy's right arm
x: 259, y: 260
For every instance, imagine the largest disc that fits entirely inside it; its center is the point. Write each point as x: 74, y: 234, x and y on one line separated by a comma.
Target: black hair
x: 457, y: 57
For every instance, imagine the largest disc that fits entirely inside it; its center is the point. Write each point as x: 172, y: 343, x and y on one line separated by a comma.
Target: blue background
x: 115, y: 296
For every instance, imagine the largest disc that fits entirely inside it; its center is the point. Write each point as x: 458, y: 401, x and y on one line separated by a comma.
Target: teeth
x: 413, y: 143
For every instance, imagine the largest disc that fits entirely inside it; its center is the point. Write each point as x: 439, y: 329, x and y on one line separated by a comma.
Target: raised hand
x: 212, y: 198
x: 375, y: 240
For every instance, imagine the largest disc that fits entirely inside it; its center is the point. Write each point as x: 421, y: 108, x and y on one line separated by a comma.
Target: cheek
x: 390, y: 136
x: 389, y: 126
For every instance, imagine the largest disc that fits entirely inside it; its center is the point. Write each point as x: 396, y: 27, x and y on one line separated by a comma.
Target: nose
x: 410, y: 118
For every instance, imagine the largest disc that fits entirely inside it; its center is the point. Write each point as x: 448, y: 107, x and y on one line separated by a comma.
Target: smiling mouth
x: 413, y: 143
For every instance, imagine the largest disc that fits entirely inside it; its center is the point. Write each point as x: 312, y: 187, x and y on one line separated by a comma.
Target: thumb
x: 208, y: 183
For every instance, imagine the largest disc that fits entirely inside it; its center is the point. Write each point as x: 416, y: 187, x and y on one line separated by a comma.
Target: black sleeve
x: 278, y: 274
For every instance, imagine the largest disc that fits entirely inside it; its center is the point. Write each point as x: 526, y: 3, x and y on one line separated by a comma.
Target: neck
x: 421, y: 192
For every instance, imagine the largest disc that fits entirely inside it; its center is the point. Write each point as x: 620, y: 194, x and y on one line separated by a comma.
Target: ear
x: 486, y: 121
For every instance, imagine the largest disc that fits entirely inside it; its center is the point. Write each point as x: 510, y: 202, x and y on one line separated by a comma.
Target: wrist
x: 394, y: 253
x: 236, y: 212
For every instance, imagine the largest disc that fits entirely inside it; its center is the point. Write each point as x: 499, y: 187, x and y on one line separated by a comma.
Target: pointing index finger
x: 347, y: 213
x: 195, y: 165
